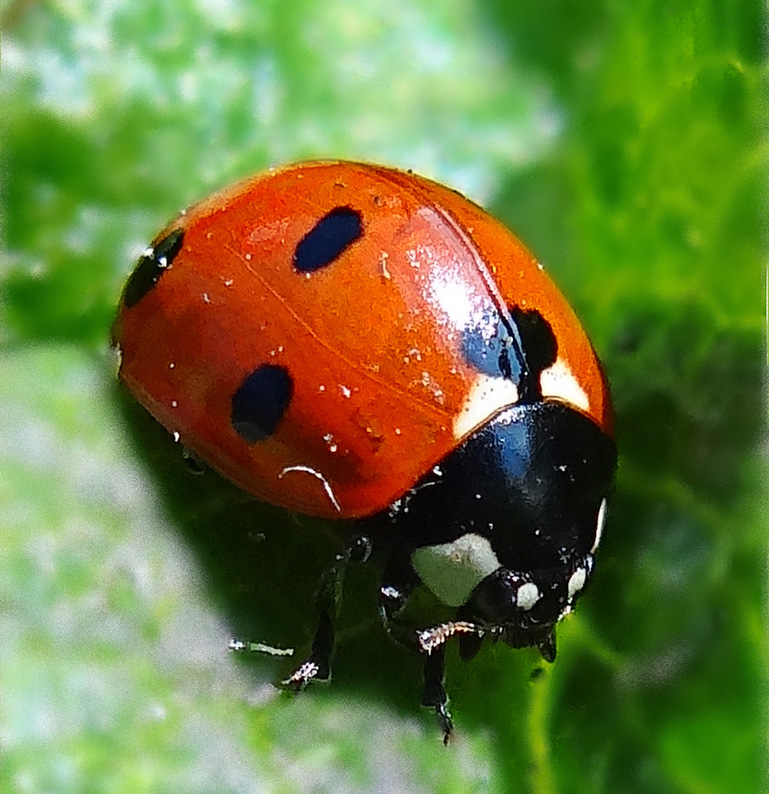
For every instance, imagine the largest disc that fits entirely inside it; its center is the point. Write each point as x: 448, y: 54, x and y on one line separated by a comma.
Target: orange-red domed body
x: 351, y: 341
x: 369, y: 307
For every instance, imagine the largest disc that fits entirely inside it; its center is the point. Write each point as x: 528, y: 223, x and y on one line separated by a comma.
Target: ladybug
x: 354, y: 342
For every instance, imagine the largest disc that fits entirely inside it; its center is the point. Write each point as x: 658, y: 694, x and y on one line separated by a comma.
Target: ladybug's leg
x: 397, y: 585
x: 432, y: 643
x: 318, y: 666
x: 434, y: 693
x: 392, y: 600
x: 398, y: 582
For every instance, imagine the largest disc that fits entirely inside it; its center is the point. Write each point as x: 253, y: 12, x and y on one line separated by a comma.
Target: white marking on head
x: 528, y: 594
x: 576, y: 582
x: 600, y: 521
x: 559, y: 381
x: 308, y: 470
x: 487, y: 397
x: 451, y: 571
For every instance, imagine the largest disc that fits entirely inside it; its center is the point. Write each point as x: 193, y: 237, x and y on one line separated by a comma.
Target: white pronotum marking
x: 453, y: 570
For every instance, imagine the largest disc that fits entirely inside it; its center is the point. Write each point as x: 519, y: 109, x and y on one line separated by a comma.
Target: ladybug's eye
x: 600, y: 521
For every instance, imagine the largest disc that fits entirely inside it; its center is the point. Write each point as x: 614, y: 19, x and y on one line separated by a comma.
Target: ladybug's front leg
x: 318, y: 666
x: 432, y: 643
x: 434, y: 693
x: 392, y: 600
x: 399, y: 582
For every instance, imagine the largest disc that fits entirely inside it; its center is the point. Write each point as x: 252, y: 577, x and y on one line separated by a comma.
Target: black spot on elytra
x: 486, y: 347
x: 260, y: 402
x: 151, y: 267
x: 538, y: 340
x: 328, y: 239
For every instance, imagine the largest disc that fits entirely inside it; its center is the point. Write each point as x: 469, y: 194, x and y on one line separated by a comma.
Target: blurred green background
x: 624, y: 143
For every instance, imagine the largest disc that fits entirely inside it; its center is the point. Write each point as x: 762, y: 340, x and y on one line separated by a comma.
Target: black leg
x: 318, y: 666
x: 547, y: 647
x: 434, y: 694
x: 469, y: 645
x: 398, y: 583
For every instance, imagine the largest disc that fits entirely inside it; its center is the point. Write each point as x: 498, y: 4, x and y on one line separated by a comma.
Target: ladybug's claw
x: 318, y: 666
x: 306, y: 672
x: 434, y: 694
x: 547, y: 647
x: 444, y: 719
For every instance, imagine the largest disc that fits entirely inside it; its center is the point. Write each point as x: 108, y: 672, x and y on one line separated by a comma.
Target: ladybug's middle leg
x: 317, y: 667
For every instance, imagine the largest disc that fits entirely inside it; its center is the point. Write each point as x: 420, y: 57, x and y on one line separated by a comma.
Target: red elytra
x: 367, y: 354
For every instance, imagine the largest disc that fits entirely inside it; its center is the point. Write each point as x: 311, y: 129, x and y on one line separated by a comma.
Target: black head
x: 505, y: 527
